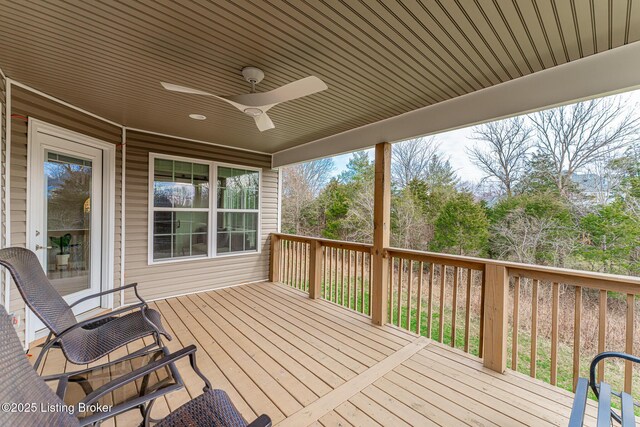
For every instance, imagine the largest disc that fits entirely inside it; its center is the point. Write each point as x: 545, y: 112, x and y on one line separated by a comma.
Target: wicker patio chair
x: 28, y: 401
x: 89, y: 340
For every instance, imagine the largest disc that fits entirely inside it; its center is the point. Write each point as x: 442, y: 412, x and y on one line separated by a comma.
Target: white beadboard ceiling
x: 380, y: 59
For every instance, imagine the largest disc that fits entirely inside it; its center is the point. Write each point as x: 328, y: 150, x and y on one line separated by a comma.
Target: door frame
x: 37, y: 126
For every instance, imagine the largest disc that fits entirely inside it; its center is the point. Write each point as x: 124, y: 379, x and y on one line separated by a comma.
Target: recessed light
x: 197, y: 116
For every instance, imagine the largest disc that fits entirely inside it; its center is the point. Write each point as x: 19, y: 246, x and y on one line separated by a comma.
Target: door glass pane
x: 68, y: 221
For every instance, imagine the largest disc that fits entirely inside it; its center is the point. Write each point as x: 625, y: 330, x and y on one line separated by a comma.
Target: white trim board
x: 7, y: 192
x: 615, y: 70
x: 108, y: 193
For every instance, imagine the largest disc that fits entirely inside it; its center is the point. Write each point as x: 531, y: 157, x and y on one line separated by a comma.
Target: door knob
x: 38, y: 247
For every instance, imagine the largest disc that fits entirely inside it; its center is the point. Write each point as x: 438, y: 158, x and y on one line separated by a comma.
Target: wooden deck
x: 310, y: 362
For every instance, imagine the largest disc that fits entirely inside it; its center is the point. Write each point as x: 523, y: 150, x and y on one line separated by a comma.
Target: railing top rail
x: 590, y: 279
x: 361, y: 247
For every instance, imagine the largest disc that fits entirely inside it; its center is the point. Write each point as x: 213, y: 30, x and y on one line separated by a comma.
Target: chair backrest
x: 21, y: 385
x: 36, y: 289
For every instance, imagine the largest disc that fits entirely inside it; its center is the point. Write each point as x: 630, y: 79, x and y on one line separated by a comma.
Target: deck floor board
x: 276, y: 351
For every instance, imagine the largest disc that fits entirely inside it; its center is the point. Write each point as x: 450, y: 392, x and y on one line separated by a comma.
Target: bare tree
x: 410, y: 160
x: 502, y: 151
x: 302, y: 183
x: 522, y: 237
x: 577, y: 135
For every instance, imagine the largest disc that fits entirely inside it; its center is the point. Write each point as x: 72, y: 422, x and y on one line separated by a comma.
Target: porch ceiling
x: 379, y: 59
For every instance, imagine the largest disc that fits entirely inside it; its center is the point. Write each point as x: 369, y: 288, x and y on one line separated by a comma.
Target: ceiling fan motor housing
x: 253, y: 75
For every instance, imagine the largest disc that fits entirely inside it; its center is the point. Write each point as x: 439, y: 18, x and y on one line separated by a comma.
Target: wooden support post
x: 274, y: 270
x: 495, y: 317
x: 381, y: 226
x: 315, y: 269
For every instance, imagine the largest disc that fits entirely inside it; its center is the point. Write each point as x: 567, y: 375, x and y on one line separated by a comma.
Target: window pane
x: 237, y: 188
x: 237, y: 231
x: 180, y: 234
x: 162, y: 223
x: 180, y: 184
x: 161, y: 247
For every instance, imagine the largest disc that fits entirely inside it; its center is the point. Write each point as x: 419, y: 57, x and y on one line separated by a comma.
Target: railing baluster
x: 430, y: 299
x: 454, y: 307
x: 409, y: 286
x: 335, y: 282
x: 483, y: 287
x: 400, y: 271
x: 300, y: 264
x: 628, y: 366
x: 298, y: 267
x: 390, y: 297
x: 467, y: 314
x: 577, y: 322
x: 534, y: 328
x: 419, y: 298
x: 554, y: 334
x: 307, y: 253
x: 330, y: 273
x: 362, y: 282
x: 602, y: 331
x: 349, y: 279
x: 325, y: 267
x: 342, y: 277
x: 516, y: 318
x: 443, y: 280
x: 370, y: 281
x: 291, y: 253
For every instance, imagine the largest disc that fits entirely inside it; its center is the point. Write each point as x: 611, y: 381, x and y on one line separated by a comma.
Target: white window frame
x: 258, y: 211
x: 212, y: 233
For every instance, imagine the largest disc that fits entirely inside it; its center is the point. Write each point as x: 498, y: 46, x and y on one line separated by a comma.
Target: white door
x: 66, y: 218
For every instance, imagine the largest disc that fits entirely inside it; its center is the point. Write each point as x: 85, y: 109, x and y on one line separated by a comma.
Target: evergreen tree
x: 461, y: 227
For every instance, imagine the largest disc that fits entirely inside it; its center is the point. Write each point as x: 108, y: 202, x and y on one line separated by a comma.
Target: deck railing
x: 342, y: 276
x: 543, y: 321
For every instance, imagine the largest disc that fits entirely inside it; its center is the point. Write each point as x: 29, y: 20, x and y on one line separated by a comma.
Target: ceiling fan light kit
x: 256, y: 104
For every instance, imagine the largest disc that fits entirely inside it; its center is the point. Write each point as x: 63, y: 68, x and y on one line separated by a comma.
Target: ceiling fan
x: 256, y: 104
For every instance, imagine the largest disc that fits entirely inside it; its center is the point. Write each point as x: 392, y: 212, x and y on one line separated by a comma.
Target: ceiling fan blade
x: 298, y: 89
x: 263, y: 122
x: 183, y: 89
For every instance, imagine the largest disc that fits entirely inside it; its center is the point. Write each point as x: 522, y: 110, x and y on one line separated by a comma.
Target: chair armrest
x: 110, y: 291
x: 579, y: 403
x: 138, y: 373
x: 100, y: 317
x: 606, y: 355
x: 262, y: 421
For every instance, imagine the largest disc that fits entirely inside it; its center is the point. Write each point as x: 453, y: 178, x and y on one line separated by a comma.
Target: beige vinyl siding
x: 29, y: 104
x: 174, y: 278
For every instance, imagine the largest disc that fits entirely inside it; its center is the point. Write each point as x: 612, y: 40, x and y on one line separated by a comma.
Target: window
x: 181, y: 206
x: 180, y: 209
x: 237, y: 210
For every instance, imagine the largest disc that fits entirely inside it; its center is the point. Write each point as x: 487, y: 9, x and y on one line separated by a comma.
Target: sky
x: 454, y: 145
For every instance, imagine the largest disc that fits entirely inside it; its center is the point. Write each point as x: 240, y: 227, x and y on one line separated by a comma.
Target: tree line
x: 560, y: 187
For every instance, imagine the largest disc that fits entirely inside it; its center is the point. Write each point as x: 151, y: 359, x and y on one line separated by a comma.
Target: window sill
x: 203, y: 258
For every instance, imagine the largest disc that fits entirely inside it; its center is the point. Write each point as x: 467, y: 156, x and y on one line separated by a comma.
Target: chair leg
x: 146, y: 413
x: 45, y: 348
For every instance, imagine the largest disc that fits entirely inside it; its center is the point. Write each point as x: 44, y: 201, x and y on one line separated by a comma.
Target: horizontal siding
x: 28, y: 104
x: 164, y: 280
